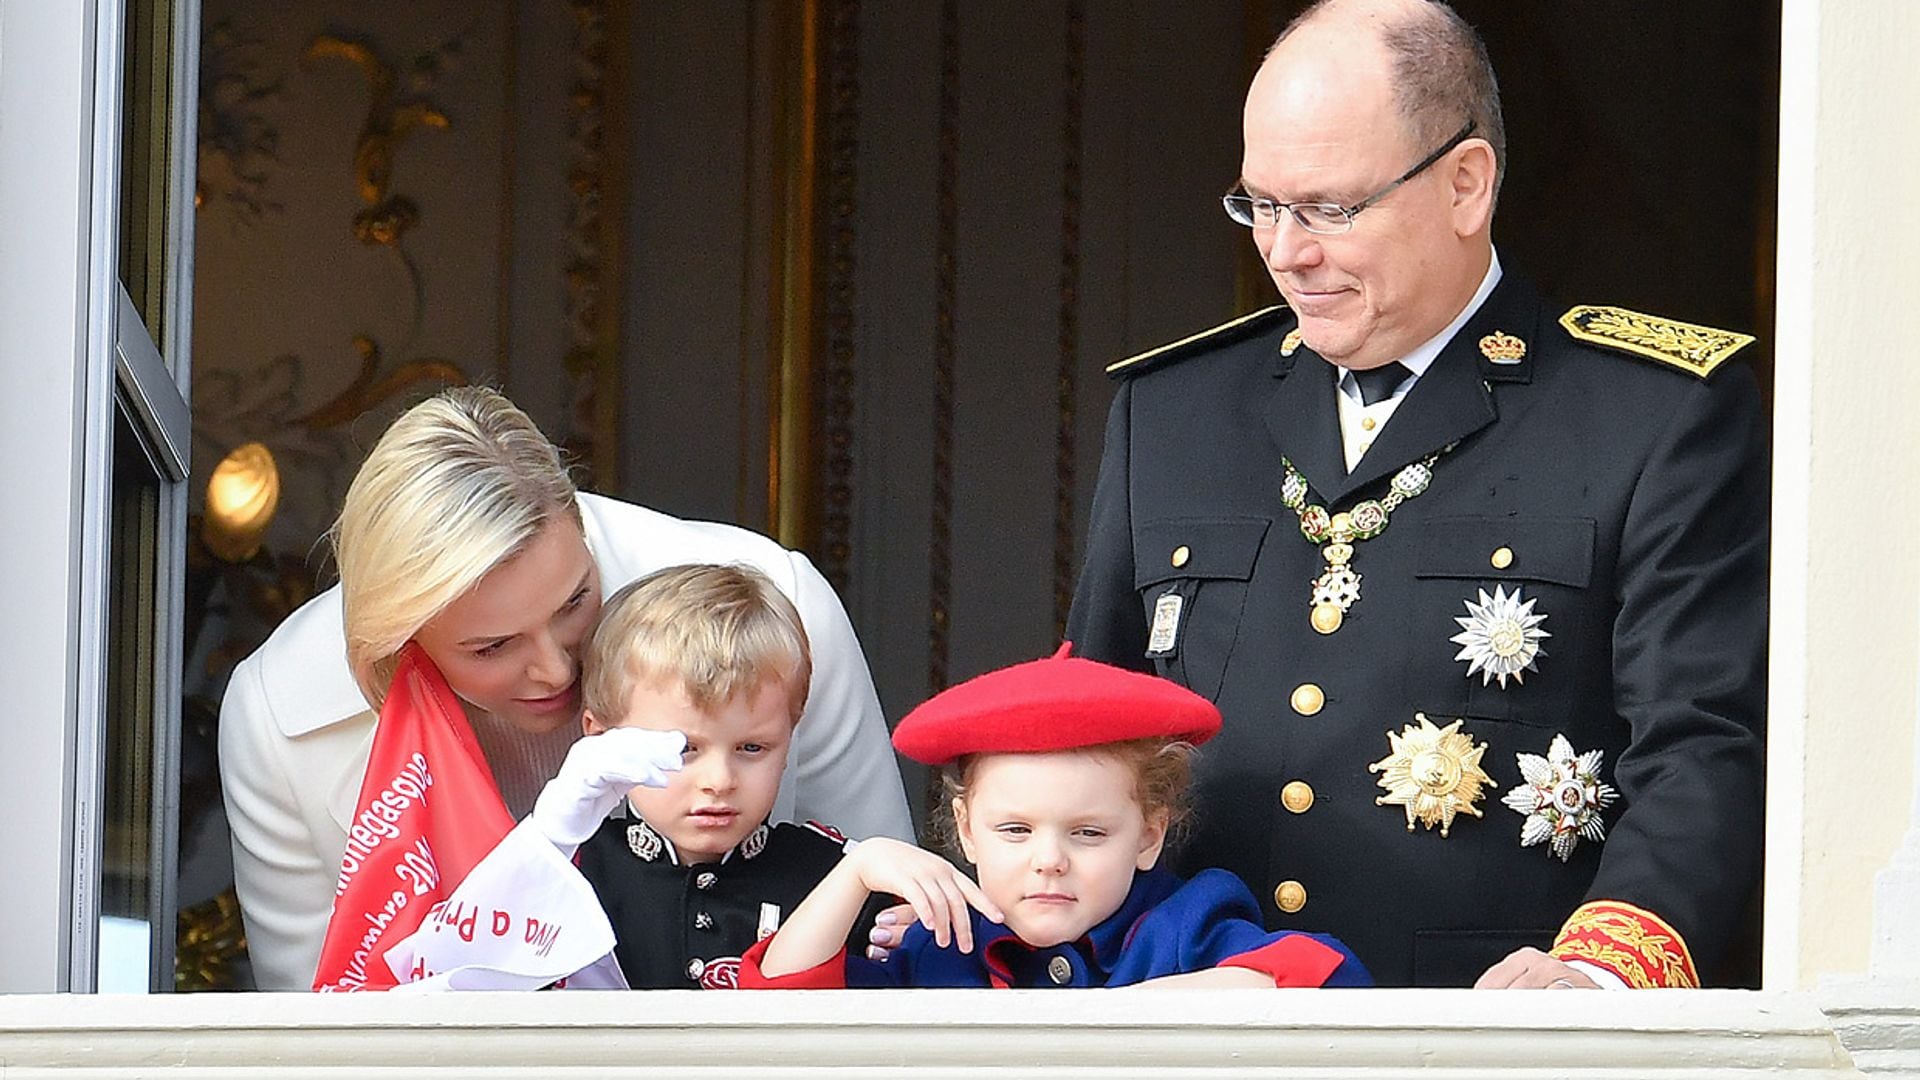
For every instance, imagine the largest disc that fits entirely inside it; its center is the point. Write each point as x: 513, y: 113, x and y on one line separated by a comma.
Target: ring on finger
x: 1562, y: 983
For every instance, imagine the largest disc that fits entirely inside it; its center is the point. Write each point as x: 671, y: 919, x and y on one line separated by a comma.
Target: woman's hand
x: 936, y: 890
x: 889, y: 929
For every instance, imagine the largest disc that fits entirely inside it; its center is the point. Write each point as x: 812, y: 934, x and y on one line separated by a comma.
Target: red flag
x: 428, y: 811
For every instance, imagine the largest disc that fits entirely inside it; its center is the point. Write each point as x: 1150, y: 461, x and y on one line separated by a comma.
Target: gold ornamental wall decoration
x: 1433, y: 773
x: 396, y: 108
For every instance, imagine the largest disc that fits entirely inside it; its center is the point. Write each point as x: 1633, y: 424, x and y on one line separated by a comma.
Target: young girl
x: 1066, y: 775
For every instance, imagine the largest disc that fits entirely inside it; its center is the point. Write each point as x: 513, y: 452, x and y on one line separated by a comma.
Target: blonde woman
x: 462, y: 532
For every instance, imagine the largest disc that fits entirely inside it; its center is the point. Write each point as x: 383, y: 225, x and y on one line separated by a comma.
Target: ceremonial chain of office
x: 1337, y: 590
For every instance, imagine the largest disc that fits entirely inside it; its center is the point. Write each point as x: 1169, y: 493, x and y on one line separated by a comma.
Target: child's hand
x: 598, y: 773
x: 938, y: 891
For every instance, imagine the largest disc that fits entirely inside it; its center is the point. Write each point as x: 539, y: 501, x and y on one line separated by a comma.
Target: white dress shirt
x: 1360, y: 423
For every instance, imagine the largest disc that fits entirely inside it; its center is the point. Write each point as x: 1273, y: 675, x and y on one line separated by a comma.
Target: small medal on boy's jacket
x: 1561, y: 798
x: 1433, y: 773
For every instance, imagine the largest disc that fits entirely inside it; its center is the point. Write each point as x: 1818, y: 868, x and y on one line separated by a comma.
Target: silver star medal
x: 1561, y: 798
x: 1500, y: 637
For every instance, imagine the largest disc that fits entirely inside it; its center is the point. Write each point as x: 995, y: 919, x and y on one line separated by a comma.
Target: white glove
x: 598, y: 773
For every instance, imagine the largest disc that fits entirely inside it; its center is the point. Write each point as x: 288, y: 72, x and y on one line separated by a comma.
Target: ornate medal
x: 1338, y: 589
x: 1433, y: 773
x: 1561, y: 798
x: 1500, y: 637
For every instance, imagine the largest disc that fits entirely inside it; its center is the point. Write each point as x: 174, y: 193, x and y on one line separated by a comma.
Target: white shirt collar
x: 1360, y: 424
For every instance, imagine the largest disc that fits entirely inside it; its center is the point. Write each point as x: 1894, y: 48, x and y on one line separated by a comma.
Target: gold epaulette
x: 1629, y: 941
x: 1225, y: 333
x: 1691, y: 348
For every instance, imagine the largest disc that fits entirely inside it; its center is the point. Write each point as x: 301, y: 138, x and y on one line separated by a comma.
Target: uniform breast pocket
x: 1192, y: 576
x: 1507, y: 621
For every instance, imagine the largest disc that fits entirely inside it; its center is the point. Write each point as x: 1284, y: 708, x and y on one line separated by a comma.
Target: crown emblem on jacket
x: 1503, y: 348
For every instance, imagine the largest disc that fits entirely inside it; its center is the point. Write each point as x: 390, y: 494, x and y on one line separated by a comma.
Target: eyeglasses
x: 1324, y: 218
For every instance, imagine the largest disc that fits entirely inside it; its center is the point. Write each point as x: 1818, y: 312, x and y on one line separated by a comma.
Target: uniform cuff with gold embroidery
x: 1629, y: 941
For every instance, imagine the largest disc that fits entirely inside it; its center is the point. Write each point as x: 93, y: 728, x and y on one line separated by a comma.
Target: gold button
x: 1181, y: 554
x: 1297, y: 796
x: 1290, y: 896
x: 1308, y: 699
x: 1367, y: 424
x: 1502, y: 558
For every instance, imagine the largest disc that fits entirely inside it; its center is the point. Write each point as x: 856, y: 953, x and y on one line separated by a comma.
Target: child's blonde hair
x: 1162, y: 769
x: 715, y: 631
x: 459, y: 484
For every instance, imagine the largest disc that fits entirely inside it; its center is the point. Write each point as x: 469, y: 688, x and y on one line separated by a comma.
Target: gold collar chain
x: 1339, y: 588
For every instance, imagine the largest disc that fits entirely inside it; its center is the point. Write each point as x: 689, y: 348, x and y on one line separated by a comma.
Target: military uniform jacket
x: 684, y: 926
x: 1164, y: 927
x: 1624, y: 498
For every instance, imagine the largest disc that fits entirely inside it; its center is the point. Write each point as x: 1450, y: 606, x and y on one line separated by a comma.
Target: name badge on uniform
x: 1166, y: 624
x: 769, y: 922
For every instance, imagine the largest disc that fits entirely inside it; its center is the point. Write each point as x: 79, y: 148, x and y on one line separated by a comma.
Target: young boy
x: 1066, y: 775
x: 692, y: 873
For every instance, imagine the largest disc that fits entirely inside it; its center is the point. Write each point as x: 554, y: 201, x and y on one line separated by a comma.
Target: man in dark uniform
x: 1478, y: 582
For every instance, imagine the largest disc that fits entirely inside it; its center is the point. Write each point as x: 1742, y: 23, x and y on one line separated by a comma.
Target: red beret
x: 1060, y: 703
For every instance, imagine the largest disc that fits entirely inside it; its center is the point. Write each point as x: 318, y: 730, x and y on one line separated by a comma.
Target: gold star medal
x: 1433, y: 773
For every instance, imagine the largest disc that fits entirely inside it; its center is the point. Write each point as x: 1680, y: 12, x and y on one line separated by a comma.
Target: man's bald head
x: 1340, y: 116
x: 1435, y: 64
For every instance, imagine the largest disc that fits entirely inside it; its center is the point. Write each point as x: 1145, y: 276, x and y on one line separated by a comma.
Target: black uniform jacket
x: 684, y: 926
x: 1631, y: 498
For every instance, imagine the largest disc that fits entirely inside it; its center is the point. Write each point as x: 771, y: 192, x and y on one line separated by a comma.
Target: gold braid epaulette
x: 1225, y: 333
x: 1687, y: 346
x: 1629, y: 941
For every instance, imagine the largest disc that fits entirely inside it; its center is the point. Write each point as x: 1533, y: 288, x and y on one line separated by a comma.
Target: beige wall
x: 1847, y: 479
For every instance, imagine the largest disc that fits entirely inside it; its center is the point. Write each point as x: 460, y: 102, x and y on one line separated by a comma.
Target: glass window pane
x: 128, y: 844
x: 146, y: 157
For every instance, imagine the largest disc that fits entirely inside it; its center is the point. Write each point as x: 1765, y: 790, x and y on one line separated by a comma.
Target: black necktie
x: 1378, y: 384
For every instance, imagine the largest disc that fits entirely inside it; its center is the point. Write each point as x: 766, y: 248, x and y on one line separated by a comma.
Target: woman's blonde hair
x: 712, y: 631
x: 459, y: 484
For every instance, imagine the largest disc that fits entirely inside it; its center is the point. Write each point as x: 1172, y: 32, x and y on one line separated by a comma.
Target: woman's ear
x: 1154, y: 839
x: 963, y: 828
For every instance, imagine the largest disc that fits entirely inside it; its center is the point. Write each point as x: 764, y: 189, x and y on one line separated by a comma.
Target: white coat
x: 295, y: 733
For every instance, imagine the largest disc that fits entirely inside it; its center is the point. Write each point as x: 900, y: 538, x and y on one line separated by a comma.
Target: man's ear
x: 963, y: 828
x: 1154, y: 839
x: 589, y: 725
x: 1473, y: 178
